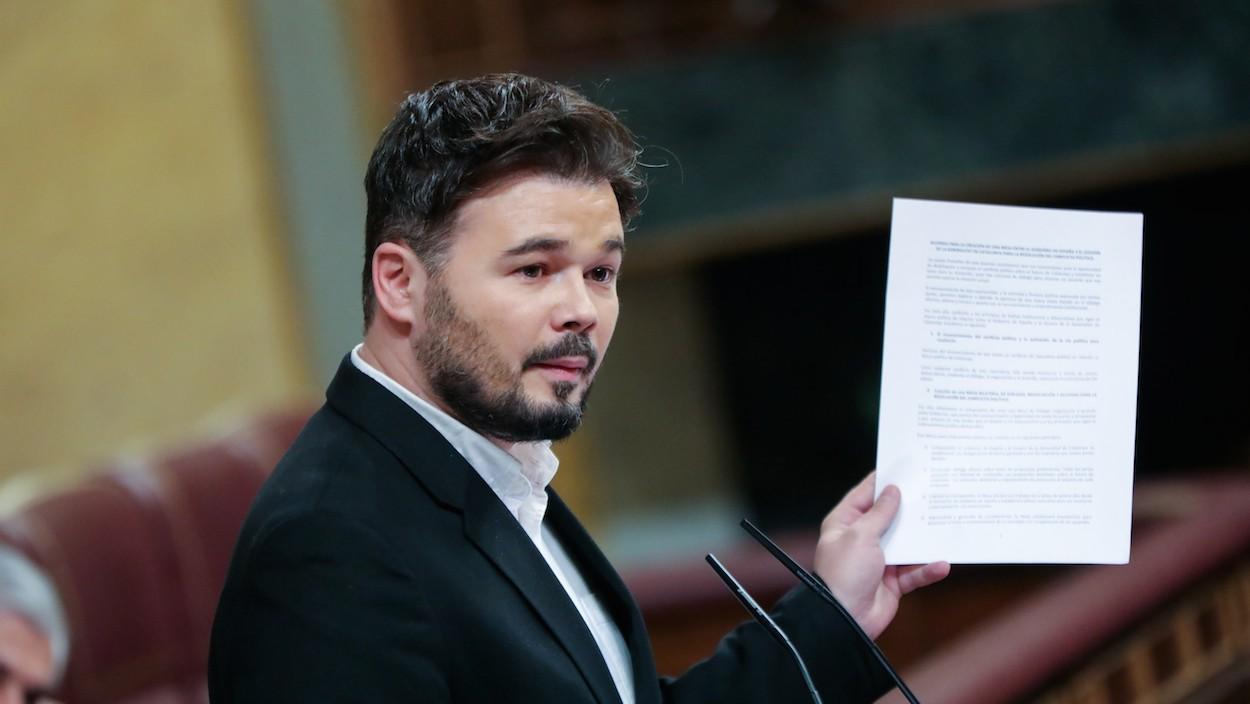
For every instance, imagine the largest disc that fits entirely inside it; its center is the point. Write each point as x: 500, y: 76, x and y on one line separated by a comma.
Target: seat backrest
x: 118, y: 581
x: 139, y: 553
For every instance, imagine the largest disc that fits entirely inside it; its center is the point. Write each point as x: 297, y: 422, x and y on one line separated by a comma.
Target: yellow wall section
x: 143, y: 282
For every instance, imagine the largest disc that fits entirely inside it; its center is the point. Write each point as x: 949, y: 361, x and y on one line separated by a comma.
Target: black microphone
x: 816, y: 584
x: 766, y: 621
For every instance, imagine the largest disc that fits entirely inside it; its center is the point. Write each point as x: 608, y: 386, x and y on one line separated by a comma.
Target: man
x: 34, y: 641
x: 407, y: 547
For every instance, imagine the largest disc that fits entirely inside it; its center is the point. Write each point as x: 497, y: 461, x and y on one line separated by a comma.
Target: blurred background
x: 182, y: 226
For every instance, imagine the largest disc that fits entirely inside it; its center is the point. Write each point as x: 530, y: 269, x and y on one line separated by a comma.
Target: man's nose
x: 575, y: 311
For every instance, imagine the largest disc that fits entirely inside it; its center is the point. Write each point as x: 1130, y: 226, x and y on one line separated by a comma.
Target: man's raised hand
x: 850, y: 560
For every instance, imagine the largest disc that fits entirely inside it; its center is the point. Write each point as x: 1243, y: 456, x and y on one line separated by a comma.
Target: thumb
x: 878, y: 518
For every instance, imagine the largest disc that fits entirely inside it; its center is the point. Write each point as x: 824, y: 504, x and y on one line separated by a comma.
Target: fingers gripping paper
x: 1009, y: 383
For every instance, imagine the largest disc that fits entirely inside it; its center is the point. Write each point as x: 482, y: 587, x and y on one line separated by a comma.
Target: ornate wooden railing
x: 1171, y: 626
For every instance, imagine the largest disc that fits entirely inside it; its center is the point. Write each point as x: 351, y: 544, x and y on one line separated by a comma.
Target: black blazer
x: 377, y: 566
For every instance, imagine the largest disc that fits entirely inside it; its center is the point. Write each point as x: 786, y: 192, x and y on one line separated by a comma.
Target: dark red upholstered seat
x: 139, y: 552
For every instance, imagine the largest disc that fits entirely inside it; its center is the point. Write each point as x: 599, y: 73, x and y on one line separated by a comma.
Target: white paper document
x: 1009, y: 383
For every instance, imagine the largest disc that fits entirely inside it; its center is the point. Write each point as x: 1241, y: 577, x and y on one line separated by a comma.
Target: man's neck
x: 394, y: 358
x: 403, y: 369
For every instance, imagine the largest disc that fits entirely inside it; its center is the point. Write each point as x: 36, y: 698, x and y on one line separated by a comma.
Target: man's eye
x: 602, y: 274
x: 531, y: 271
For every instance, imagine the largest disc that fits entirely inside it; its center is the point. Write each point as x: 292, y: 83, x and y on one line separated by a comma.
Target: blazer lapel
x: 427, y: 455
x: 497, y: 534
x: 435, y: 464
x: 611, y: 590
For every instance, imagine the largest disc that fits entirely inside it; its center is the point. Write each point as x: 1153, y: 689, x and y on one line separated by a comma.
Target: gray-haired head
x: 26, y: 591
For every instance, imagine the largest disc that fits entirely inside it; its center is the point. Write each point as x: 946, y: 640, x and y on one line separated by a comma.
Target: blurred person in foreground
x: 34, y: 641
x: 407, y: 548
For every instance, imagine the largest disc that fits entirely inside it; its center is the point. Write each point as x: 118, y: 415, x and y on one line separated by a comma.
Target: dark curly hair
x: 449, y: 142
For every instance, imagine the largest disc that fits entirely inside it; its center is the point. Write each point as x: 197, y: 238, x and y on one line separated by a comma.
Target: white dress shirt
x: 519, y: 477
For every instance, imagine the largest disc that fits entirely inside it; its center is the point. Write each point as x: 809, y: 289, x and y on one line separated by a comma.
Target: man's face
x: 25, y: 660
x: 522, y: 311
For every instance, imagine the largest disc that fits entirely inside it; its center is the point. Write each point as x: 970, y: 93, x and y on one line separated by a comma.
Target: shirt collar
x: 519, y: 476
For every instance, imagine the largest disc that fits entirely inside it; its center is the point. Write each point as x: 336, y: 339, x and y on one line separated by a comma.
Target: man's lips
x: 563, y: 368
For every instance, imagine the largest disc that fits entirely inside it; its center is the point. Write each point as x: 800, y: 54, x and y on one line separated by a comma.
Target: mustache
x: 571, y: 345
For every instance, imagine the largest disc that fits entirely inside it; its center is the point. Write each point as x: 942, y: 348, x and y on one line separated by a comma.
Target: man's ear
x: 399, y: 280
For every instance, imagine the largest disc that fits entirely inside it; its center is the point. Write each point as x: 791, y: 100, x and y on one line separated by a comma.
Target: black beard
x: 509, y: 415
x: 462, y: 369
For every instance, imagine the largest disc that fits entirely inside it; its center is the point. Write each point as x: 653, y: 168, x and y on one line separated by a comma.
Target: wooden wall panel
x: 143, y: 278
